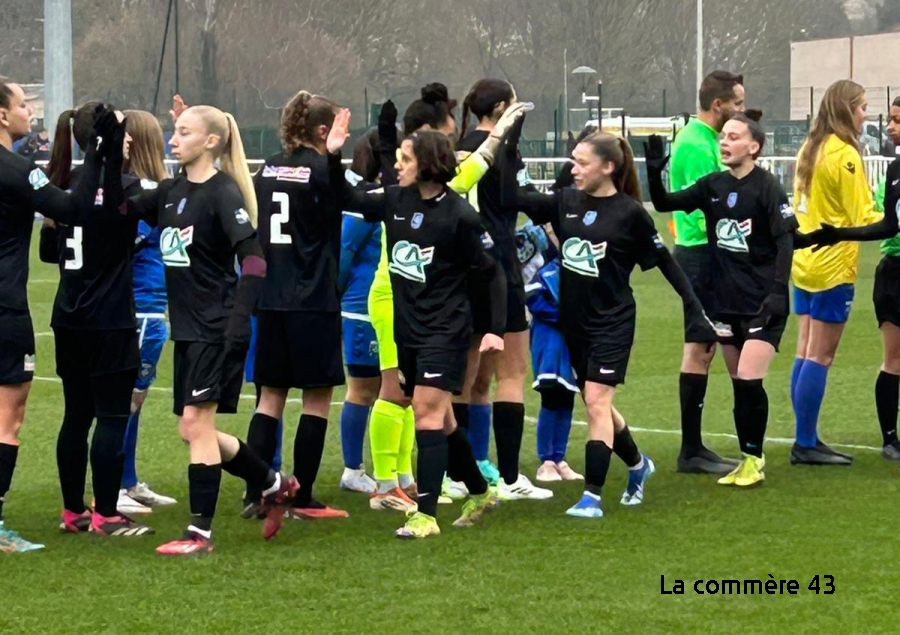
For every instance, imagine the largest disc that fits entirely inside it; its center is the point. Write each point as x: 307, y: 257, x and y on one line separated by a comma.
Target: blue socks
x: 553, y: 427
x: 129, y: 449
x: 353, y: 432
x: 807, y: 399
x: 480, y: 430
x: 795, y: 377
x: 546, y: 432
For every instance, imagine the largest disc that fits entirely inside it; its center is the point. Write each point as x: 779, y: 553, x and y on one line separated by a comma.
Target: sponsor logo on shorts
x: 37, y: 179
x: 732, y: 235
x: 285, y: 173
x: 607, y: 371
x: 409, y: 260
x: 29, y: 363
x: 433, y: 375
x: 197, y: 393
x: 581, y: 256
x: 173, y: 243
x: 755, y: 329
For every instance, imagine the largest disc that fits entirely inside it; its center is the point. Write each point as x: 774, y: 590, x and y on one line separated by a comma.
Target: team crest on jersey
x: 589, y: 218
x: 241, y: 216
x: 732, y: 200
x: 173, y: 243
x: 409, y: 260
x: 181, y: 205
x: 581, y: 256
x: 417, y: 219
x: 732, y: 235
x: 37, y: 179
x: 287, y: 173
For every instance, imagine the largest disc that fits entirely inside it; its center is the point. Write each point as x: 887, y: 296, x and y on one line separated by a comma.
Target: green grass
x: 529, y: 568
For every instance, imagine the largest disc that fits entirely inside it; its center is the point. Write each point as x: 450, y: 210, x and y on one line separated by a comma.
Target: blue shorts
x: 360, y: 347
x: 152, y: 335
x: 832, y: 306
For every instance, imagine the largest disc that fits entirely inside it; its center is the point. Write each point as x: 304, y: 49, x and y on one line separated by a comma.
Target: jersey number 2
x: 280, y: 219
x: 74, y: 243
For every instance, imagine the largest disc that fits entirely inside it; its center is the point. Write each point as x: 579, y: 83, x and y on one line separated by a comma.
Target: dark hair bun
x: 753, y: 114
x: 435, y: 93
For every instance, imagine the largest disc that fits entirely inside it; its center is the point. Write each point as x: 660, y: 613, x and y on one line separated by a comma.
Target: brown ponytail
x: 302, y: 116
x: 616, y: 149
x: 80, y: 123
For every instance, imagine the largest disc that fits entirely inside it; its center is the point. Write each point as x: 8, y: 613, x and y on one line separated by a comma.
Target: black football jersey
x: 24, y: 190
x: 200, y: 226
x: 432, y: 245
x: 300, y: 232
x: 601, y: 242
x: 744, y: 217
x: 95, y: 280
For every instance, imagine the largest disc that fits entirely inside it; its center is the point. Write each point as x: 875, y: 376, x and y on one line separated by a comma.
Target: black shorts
x: 600, y: 361
x: 516, y: 317
x: 696, y: 262
x: 16, y: 347
x: 750, y: 328
x: 886, y: 292
x: 298, y: 349
x: 95, y: 353
x: 441, y: 368
x: 208, y: 372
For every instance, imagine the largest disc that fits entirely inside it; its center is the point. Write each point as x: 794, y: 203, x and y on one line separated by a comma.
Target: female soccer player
x: 487, y: 100
x: 144, y: 161
x: 830, y: 187
x: 886, y: 294
x: 604, y: 232
x: 97, y: 354
x: 24, y: 189
x: 299, y: 318
x: 206, y: 216
x: 750, y: 227
x: 392, y: 429
x: 434, y: 241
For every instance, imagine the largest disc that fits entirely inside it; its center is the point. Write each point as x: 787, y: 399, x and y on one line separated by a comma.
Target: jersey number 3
x: 74, y: 243
x: 279, y: 219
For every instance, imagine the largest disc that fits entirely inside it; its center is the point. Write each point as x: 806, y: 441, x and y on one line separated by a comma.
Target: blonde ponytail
x: 234, y: 164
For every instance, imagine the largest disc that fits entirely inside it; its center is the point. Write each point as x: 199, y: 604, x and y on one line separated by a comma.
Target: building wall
x: 869, y: 60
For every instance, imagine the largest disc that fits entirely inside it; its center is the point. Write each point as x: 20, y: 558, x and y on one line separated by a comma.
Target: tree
x: 888, y: 15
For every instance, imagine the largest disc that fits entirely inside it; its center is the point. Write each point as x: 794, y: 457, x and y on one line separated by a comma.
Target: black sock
x: 262, y: 437
x: 596, y: 465
x: 247, y: 464
x: 461, y: 414
x: 431, y: 464
x: 461, y: 465
x: 308, y: 447
x: 107, y: 460
x: 625, y: 447
x: 887, y: 396
x: 739, y: 411
x: 8, y: 455
x: 752, y: 410
x: 203, y: 484
x: 692, y: 389
x: 72, y: 453
x: 509, y: 424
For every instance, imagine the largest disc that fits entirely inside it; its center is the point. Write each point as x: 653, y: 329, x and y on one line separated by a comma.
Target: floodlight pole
x: 58, y: 86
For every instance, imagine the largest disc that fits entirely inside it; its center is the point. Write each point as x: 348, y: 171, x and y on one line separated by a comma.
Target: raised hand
x: 339, y: 133
x: 178, y: 107
x: 655, y: 153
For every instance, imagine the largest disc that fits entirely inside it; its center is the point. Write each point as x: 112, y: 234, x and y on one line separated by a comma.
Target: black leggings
x: 108, y: 399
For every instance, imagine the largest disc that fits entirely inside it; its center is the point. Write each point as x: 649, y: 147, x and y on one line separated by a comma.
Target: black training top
x: 432, y: 245
x: 24, y: 190
x: 94, y: 257
x: 300, y: 232
x: 744, y: 219
x: 601, y: 241
x: 200, y: 226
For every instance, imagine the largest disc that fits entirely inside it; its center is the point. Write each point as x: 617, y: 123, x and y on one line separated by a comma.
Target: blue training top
x: 148, y: 271
x: 360, y: 252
